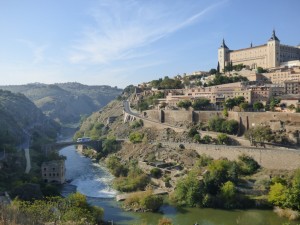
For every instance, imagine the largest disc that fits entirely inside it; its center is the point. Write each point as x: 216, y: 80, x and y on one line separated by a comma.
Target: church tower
x: 223, y: 56
x: 273, y: 51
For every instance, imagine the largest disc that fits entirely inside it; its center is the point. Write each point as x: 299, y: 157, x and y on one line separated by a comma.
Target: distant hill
x: 66, y: 102
x: 20, y: 117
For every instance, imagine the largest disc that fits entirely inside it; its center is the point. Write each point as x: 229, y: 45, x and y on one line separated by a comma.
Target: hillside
x: 66, y: 102
x: 19, y: 117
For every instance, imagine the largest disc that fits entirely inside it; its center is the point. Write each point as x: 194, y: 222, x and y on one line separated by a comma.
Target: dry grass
x: 288, y: 213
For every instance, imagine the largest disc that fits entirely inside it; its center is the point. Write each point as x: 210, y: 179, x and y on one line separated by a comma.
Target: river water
x: 93, y: 180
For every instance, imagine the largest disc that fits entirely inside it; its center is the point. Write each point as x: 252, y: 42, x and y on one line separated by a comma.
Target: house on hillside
x: 54, y: 171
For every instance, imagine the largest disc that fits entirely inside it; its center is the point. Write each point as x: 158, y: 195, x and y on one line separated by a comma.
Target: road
x: 128, y: 110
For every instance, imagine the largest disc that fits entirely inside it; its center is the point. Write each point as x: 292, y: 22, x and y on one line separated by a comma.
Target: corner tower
x: 273, y: 51
x: 223, y: 56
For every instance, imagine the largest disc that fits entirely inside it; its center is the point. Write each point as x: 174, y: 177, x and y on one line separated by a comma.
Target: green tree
x: 186, y: 104
x: 188, y: 190
x: 213, y: 71
x: 244, y: 105
x: 261, y: 70
x: 278, y: 194
x: 200, y: 103
x: 228, y: 194
x: 230, y: 126
x: 259, y: 134
x: 258, y: 106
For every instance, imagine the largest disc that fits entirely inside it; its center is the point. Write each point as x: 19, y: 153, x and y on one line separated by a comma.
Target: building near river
x: 269, y: 55
x: 54, y: 171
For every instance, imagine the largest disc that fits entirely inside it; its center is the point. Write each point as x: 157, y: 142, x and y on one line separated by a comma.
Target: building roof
x: 274, y: 37
x: 223, y: 45
x: 54, y: 163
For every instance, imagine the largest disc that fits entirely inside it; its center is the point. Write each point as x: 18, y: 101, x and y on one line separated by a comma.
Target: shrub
x: 144, y: 200
x: 136, y: 137
x: 156, y: 172
x: 116, y: 167
x: 247, y: 165
x: 152, y: 202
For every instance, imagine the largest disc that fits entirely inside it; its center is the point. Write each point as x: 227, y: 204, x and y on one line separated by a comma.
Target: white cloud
x: 122, y: 27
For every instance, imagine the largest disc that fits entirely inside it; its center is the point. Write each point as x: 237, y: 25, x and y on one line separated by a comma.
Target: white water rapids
x: 90, y: 179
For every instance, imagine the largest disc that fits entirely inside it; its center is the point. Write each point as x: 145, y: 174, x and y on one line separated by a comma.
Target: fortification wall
x: 178, y: 116
x: 280, y: 159
x: 152, y: 114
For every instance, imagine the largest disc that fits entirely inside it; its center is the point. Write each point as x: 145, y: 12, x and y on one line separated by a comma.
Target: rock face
x: 66, y: 102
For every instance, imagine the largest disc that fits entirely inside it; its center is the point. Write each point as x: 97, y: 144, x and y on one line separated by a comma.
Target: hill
x: 66, y: 102
x: 20, y: 117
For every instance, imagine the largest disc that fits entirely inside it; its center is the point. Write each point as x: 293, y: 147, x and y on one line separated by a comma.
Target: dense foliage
x: 129, y: 178
x: 144, y: 201
x: 167, y: 83
x: 218, y: 124
x: 200, y: 103
x: 221, y: 79
x: 72, y: 209
x: 216, y: 187
x: 286, y: 193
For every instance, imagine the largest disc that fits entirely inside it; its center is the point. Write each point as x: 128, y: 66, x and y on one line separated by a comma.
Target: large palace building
x: 270, y: 55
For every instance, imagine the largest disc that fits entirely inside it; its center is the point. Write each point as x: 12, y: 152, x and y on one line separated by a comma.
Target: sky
x: 122, y: 42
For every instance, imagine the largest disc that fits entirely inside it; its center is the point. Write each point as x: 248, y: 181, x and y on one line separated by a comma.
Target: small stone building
x: 54, y: 171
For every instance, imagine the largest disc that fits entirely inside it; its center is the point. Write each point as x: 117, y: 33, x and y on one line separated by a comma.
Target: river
x: 93, y: 180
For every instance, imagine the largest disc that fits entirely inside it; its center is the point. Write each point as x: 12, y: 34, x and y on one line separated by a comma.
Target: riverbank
x: 86, y: 175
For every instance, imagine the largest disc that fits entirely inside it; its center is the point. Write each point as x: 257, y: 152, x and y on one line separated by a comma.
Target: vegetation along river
x: 93, y: 180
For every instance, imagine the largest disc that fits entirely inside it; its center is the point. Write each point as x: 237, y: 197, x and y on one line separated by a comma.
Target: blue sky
x: 122, y: 42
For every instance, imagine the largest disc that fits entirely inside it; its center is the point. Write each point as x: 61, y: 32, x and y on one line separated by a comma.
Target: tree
x: 277, y: 194
x: 186, y: 104
x: 230, y: 126
x: 259, y: 134
x: 200, y: 103
x: 188, y: 190
x: 258, y: 106
x: 261, y: 70
x: 229, y: 103
x: 244, y: 105
x: 213, y: 71
x: 228, y: 194
x: 274, y: 102
x: 197, y: 138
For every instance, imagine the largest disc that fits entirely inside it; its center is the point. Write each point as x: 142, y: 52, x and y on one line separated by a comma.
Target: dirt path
x: 28, y: 162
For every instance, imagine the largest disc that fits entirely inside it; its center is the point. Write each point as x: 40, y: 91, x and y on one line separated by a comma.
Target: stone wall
x: 281, y: 159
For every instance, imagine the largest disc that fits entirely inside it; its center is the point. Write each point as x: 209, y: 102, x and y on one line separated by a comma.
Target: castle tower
x: 273, y: 51
x: 223, y: 56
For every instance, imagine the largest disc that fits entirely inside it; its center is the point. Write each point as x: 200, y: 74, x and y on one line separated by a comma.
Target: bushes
x: 129, y: 178
x: 71, y: 209
x: 218, y: 124
x: 156, y: 172
x: 116, y: 167
x: 136, y: 137
x: 247, y: 165
x: 215, y: 189
x: 131, y: 182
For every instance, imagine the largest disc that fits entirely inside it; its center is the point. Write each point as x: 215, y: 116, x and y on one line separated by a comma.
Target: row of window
x: 51, y: 174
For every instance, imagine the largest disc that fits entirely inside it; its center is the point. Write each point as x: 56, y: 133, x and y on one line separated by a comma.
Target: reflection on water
x: 93, y: 181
